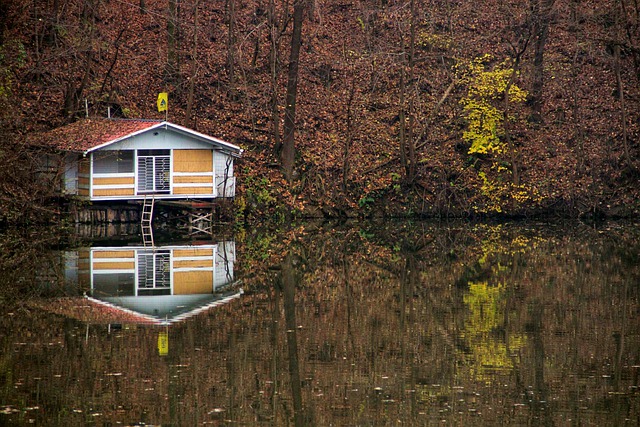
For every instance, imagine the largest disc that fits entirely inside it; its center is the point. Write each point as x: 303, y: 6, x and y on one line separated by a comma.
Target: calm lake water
x: 364, y: 324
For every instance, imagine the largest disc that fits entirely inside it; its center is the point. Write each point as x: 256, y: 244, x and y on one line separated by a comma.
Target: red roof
x: 89, y: 133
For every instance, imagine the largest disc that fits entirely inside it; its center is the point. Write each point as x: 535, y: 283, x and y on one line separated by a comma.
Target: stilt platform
x: 197, y: 215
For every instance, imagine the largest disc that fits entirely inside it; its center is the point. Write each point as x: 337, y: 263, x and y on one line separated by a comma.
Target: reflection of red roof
x: 89, y: 310
x: 89, y: 133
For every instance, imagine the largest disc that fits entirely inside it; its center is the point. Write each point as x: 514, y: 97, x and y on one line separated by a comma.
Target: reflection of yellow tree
x: 490, y: 350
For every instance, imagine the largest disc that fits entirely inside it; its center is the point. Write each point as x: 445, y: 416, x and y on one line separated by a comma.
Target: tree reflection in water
x: 371, y: 324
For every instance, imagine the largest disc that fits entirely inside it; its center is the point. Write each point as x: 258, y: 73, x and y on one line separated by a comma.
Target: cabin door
x: 154, y: 168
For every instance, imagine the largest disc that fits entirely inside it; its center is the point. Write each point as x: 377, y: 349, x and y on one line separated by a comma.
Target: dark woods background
x: 347, y: 107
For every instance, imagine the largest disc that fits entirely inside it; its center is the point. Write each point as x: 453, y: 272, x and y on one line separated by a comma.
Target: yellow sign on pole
x: 163, y: 343
x: 163, y: 101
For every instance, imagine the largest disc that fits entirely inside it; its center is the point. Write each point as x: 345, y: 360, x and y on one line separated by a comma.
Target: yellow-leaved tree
x: 491, y: 95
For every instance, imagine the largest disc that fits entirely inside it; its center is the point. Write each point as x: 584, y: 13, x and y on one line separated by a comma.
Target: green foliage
x: 364, y: 235
x: 258, y: 246
x: 259, y: 190
x: 260, y: 199
x: 365, y: 201
x: 13, y: 55
x: 481, y: 107
x: 6, y: 82
x: 395, y: 179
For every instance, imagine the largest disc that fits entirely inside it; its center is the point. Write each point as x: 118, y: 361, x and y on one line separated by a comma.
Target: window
x: 120, y: 161
x: 154, y: 275
x: 113, y: 285
x: 154, y: 171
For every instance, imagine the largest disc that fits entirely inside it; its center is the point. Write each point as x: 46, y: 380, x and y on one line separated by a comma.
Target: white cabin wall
x: 70, y: 165
x: 225, y: 180
x: 220, y: 163
x: 225, y: 259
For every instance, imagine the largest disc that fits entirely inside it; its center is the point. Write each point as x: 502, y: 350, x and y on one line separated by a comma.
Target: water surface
x: 355, y: 324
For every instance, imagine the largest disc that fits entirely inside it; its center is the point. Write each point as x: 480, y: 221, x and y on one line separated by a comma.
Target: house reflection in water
x: 159, y: 285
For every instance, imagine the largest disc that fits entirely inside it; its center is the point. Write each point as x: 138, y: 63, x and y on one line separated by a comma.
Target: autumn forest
x: 348, y: 107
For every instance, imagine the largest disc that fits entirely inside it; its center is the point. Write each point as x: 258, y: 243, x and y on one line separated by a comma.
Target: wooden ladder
x: 145, y: 220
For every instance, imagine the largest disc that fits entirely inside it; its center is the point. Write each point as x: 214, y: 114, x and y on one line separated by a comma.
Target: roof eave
x: 226, y: 147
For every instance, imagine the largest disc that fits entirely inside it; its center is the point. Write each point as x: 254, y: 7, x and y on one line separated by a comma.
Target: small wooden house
x: 124, y: 159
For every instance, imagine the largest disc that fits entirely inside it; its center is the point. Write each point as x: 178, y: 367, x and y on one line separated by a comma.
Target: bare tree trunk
x: 407, y: 142
x: 577, y: 121
x: 541, y: 11
x: 258, y: 20
x: 172, y: 43
x: 403, y: 119
x: 620, y: 24
x: 194, y: 65
x: 275, y: 355
x: 74, y: 93
x: 513, y: 152
x: 349, y: 136
x: 231, y: 43
x: 288, y: 291
x: 631, y: 20
x: 274, y: 37
x: 623, y: 109
x: 107, y: 77
x: 411, y: 143
x: 288, y: 154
